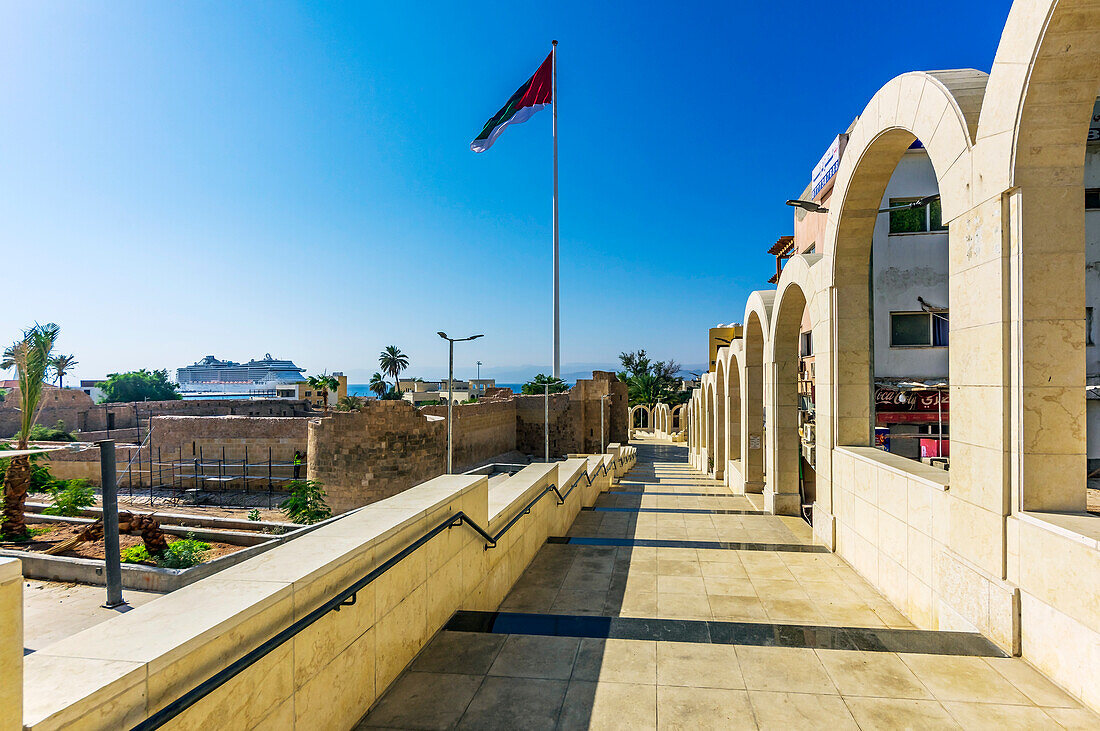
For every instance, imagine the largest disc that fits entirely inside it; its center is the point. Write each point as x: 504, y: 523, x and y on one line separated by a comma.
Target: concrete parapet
x: 11, y: 645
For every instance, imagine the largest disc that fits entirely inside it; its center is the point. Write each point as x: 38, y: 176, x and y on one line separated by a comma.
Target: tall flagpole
x: 554, y: 103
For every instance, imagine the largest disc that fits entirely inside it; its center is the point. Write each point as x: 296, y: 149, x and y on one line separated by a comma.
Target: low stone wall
x: 365, y: 456
x: 11, y: 644
x: 327, y: 675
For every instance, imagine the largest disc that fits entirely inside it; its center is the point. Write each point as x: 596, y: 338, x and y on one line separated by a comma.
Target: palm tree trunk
x: 16, y: 483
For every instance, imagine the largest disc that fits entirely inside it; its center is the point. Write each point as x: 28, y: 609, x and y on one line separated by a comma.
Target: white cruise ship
x: 213, y: 377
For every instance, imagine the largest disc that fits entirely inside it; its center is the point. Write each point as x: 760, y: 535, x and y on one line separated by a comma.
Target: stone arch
x: 731, y: 358
x: 711, y: 418
x: 784, y: 493
x: 1032, y: 135
x: 941, y: 110
x: 678, y: 416
x: 721, y: 415
x: 641, y: 417
x: 755, y: 335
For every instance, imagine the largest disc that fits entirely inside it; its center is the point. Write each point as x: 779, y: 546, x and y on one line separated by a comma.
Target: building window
x: 1088, y: 326
x: 309, y: 393
x: 807, y: 344
x: 1092, y: 199
x: 918, y: 329
x: 916, y: 220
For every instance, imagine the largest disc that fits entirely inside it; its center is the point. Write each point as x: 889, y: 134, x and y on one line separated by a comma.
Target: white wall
x: 907, y: 266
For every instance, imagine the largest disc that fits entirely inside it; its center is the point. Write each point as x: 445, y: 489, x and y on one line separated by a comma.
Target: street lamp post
x: 450, y: 392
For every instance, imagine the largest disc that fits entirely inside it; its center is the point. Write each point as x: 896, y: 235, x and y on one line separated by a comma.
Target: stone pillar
x: 11, y: 644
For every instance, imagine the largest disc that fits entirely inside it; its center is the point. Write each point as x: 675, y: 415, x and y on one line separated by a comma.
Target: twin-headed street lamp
x: 450, y: 391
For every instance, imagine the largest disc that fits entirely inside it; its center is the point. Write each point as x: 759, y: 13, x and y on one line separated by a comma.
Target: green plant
x: 70, y: 497
x: 61, y: 365
x: 649, y: 382
x: 350, y: 403
x: 140, y: 385
x: 184, y: 553
x: 31, y: 359
x: 306, y: 503
x: 136, y: 554
x: 323, y: 384
x: 537, y: 385
x: 433, y: 402
x: 393, y: 361
x: 254, y: 514
x: 378, y: 385
x: 55, y: 433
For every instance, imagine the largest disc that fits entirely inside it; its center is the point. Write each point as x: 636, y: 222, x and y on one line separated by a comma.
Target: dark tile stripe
x: 703, y: 511
x: 677, y: 494
x: 727, y: 633
x: 717, y: 545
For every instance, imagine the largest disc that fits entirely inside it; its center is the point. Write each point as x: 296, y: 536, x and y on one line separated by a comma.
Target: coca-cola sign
x: 893, y: 399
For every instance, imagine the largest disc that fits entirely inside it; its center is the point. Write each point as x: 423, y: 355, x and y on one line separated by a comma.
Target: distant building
x: 419, y: 392
x: 302, y: 390
x: 92, y: 388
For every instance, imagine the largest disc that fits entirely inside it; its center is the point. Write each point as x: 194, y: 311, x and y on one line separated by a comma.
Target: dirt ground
x: 94, y: 549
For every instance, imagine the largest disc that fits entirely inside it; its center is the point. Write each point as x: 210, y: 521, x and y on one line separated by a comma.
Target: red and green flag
x: 535, y: 94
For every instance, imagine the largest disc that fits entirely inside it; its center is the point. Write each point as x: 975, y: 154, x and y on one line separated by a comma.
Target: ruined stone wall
x: 364, y: 456
x: 210, y: 435
x: 482, y: 430
x: 618, y: 408
x: 77, y: 412
x: 564, y: 425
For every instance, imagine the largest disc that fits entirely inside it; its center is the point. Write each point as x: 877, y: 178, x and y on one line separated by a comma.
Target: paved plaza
x: 673, y: 603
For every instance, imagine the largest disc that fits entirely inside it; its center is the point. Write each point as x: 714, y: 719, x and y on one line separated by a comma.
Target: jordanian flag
x: 534, y: 95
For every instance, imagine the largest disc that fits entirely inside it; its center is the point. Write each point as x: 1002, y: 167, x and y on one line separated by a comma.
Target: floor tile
x: 703, y: 708
x: 1030, y: 682
x: 783, y: 711
x: 788, y: 669
x: 698, y: 665
x: 880, y: 674
x: 424, y: 701
x: 991, y: 715
x: 873, y: 714
x: 467, y: 653
x: 617, y: 661
x: 604, y: 705
x: 528, y: 656
x: 963, y: 679
x: 515, y: 703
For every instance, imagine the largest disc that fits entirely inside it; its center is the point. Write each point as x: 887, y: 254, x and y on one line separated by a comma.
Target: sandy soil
x: 94, y: 549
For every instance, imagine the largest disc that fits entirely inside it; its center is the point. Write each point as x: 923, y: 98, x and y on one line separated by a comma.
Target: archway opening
x: 753, y: 421
x: 794, y: 470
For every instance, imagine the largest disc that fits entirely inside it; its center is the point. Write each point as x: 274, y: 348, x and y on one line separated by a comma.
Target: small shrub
x: 56, y: 433
x: 306, y: 503
x: 136, y: 554
x: 254, y: 514
x: 183, y: 554
x: 69, y: 497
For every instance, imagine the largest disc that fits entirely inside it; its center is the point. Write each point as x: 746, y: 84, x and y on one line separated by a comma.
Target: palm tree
x: 393, y: 361
x: 378, y: 385
x: 31, y: 359
x: 61, y: 365
x: 323, y: 383
x: 350, y: 403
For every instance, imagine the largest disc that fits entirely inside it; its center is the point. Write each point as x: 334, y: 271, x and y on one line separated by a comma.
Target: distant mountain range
x: 517, y: 374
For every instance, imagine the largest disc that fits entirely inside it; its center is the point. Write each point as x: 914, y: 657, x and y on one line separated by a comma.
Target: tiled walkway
x: 652, y: 613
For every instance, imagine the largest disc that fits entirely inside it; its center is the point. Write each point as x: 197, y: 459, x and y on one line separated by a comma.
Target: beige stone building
x: 1001, y: 542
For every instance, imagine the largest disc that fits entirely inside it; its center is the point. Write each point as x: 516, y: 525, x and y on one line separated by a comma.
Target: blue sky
x: 181, y: 179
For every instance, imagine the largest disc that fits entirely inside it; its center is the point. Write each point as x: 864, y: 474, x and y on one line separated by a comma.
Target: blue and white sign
x: 827, y: 167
